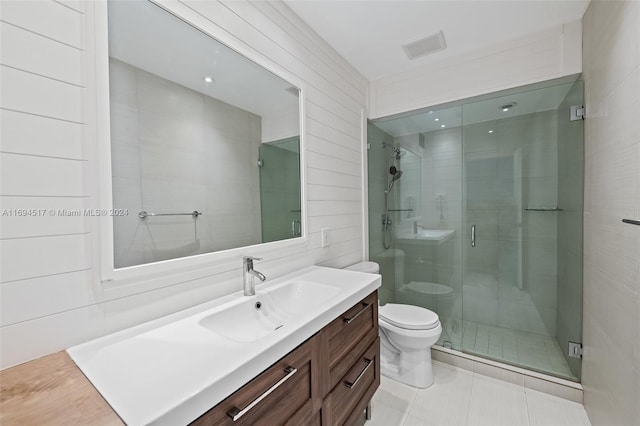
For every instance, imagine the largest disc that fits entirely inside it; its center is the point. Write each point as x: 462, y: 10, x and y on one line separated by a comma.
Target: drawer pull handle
x: 350, y: 385
x: 350, y: 320
x: 235, y: 413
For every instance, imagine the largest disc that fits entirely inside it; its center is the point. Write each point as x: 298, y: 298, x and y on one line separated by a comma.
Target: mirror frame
x: 119, y: 282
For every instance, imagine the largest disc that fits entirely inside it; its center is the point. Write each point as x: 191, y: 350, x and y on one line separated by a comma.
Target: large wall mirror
x: 205, y: 144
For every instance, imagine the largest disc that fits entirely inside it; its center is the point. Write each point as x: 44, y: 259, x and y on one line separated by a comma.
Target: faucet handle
x: 247, y: 262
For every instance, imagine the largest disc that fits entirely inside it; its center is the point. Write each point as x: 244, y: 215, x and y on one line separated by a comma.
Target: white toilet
x: 406, y: 335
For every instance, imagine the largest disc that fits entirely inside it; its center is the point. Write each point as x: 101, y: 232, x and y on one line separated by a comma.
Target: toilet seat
x: 408, y: 317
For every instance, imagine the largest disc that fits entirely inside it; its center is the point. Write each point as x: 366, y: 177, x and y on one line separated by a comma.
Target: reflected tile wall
x: 176, y: 150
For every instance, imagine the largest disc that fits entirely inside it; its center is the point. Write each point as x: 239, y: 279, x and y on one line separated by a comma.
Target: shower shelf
x: 631, y: 221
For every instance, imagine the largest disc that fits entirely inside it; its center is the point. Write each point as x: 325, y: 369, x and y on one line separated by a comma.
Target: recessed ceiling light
x: 436, y: 119
x: 490, y: 131
x: 208, y: 79
x: 442, y: 125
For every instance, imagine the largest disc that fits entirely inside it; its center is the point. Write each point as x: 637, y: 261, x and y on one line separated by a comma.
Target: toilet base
x: 412, y: 368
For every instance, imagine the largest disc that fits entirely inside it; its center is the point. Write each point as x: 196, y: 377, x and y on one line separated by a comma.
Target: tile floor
x: 529, y: 350
x: 459, y: 397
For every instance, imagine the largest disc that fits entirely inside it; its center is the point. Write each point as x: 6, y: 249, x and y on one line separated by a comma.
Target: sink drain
x: 258, y: 305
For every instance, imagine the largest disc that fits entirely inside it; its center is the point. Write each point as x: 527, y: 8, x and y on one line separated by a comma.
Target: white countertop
x: 171, y: 370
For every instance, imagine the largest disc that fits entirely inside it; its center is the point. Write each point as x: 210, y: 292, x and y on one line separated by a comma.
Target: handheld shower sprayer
x: 395, y: 176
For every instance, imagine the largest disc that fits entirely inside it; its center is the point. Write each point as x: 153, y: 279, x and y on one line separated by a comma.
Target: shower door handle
x: 473, y: 235
x: 296, y: 228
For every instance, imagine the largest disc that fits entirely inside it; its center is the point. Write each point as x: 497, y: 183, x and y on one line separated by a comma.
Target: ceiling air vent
x: 425, y: 46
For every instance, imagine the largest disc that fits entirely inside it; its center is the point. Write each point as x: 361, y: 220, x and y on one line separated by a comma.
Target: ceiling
x: 369, y: 33
x: 145, y: 36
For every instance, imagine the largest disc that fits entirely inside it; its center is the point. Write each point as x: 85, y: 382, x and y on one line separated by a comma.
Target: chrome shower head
x: 398, y: 153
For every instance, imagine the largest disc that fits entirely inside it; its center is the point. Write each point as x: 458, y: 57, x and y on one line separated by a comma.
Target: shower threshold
x: 541, y: 382
x: 524, y: 350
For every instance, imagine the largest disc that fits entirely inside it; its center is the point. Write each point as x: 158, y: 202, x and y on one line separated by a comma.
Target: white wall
x: 51, y: 297
x: 546, y: 55
x: 611, y: 302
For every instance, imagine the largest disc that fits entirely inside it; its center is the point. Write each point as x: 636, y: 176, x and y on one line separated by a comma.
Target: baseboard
x: 529, y: 379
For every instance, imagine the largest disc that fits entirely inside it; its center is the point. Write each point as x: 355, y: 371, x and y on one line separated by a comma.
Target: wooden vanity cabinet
x: 328, y: 380
x: 282, y: 394
x: 352, y: 353
x: 348, y: 337
x: 348, y: 399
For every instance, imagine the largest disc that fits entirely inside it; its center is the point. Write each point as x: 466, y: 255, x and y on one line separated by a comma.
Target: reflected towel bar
x: 143, y: 214
x: 545, y: 210
x: 631, y: 221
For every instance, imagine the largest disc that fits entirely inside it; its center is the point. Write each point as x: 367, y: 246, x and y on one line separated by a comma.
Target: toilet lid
x: 408, y: 317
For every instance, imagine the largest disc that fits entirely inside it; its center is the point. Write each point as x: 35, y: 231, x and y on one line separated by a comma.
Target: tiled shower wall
x: 177, y: 150
x: 611, y: 363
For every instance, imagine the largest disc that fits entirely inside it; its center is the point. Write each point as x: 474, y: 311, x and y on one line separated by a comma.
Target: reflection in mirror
x: 279, y: 186
x: 203, y: 141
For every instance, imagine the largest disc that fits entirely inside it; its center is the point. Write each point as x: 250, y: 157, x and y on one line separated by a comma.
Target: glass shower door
x: 279, y: 165
x: 522, y: 206
x: 420, y: 251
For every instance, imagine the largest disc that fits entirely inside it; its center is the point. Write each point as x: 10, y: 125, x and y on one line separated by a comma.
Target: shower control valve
x: 386, y: 222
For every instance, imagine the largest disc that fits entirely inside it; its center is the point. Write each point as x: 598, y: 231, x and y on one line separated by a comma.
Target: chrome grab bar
x: 556, y: 209
x: 350, y: 385
x: 631, y: 221
x: 473, y: 235
x: 143, y: 214
x: 235, y: 413
x: 360, y: 312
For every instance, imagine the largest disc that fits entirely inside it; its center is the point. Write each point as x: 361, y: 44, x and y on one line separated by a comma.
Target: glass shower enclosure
x: 484, y: 224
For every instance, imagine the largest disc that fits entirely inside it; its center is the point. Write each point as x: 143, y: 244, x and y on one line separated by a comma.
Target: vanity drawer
x: 280, y: 395
x: 350, y: 335
x: 347, y: 400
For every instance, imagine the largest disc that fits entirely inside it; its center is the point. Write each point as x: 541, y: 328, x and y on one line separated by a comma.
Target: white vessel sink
x: 171, y: 370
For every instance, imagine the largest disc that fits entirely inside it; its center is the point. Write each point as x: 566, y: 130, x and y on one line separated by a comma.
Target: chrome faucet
x: 248, y: 273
